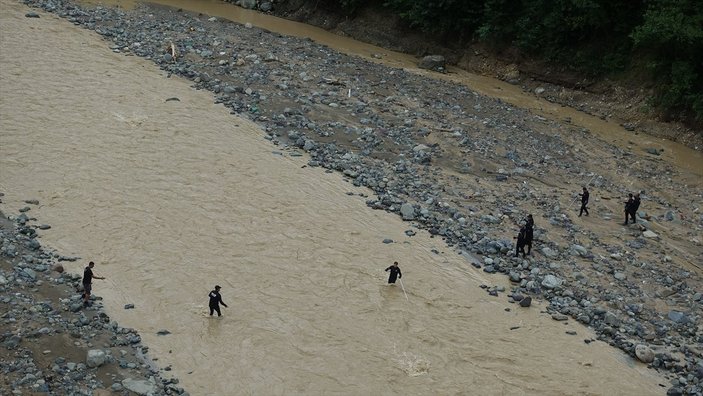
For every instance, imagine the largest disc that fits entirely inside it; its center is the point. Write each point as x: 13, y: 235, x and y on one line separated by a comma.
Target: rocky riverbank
x: 465, y: 168
x: 49, y: 342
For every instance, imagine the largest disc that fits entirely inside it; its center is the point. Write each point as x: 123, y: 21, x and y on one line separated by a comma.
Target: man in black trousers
x: 215, y: 301
x: 628, y: 207
x: 584, y: 201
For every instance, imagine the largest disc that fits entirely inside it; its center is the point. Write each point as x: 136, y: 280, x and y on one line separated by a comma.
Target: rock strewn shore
x: 49, y: 342
x: 463, y: 167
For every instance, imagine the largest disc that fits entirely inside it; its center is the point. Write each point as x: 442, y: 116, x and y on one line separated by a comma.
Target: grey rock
x: 129, y: 306
x: 580, y: 250
x: 248, y: 4
x: 549, y: 252
x: 674, y: 391
x: 140, y: 387
x: 644, y: 353
x: 28, y: 272
x: 551, y: 282
x: 433, y: 62
x: 95, y: 358
x: 31, y: 15
x: 620, y: 276
x: 559, y: 317
x: 514, y: 276
x: 12, y: 342
x: 677, y: 316
x: 407, y: 211
x: 611, y: 319
x: 526, y: 302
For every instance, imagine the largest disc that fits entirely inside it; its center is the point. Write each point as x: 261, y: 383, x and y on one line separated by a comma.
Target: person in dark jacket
x: 529, y: 232
x: 88, y: 277
x: 634, y: 207
x: 628, y: 207
x: 215, y: 301
x: 584, y: 201
x: 395, y: 273
x: 521, y: 241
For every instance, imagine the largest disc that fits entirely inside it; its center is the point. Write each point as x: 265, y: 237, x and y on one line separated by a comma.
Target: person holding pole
x: 88, y: 277
x: 584, y: 201
x: 394, y: 273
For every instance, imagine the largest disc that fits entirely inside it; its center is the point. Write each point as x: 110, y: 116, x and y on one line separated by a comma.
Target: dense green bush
x: 671, y: 36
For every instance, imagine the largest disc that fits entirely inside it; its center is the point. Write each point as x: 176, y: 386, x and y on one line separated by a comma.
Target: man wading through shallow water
x: 395, y: 273
x: 215, y: 301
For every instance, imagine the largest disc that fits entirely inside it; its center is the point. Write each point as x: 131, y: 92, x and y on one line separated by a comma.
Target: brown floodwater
x: 171, y: 198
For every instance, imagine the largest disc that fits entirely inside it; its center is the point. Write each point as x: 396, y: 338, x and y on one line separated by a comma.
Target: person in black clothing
x: 628, y: 207
x: 215, y: 301
x: 521, y: 241
x: 529, y: 232
x: 634, y: 207
x: 88, y: 277
x: 584, y: 201
x: 395, y: 273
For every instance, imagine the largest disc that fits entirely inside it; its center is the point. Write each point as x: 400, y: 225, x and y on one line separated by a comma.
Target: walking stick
x: 401, y: 285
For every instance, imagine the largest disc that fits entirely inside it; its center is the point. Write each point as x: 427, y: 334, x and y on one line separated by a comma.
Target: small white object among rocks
x: 649, y: 234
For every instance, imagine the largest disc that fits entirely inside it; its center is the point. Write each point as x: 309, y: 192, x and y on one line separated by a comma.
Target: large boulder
x: 551, y: 282
x: 434, y: 63
x: 248, y: 4
x: 95, y: 358
x: 140, y: 387
x: 407, y: 211
x: 644, y: 353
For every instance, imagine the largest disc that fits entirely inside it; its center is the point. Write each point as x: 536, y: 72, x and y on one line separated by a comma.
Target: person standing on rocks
x: 521, y: 241
x: 634, y: 207
x: 628, y: 207
x: 529, y: 232
x: 88, y: 277
x: 584, y: 201
x: 215, y: 301
x: 395, y: 273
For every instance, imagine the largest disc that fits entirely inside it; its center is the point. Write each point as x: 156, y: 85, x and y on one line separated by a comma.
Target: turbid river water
x: 171, y: 198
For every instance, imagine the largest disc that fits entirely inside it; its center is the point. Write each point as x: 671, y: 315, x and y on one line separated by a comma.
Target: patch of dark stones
x: 49, y: 341
x: 420, y: 145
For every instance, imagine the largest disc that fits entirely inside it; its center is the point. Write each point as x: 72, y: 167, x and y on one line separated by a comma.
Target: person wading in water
x: 395, y: 273
x: 215, y: 301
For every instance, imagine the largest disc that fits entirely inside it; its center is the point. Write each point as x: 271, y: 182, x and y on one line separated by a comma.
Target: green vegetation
x: 597, y: 37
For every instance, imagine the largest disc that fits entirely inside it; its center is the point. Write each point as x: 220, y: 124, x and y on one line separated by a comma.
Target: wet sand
x: 171, y: 198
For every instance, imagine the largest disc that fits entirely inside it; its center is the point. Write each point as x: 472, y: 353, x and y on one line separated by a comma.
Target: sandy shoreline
x: 170, y: 198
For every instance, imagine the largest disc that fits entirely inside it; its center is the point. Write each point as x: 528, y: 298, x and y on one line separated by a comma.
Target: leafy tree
x: 458, y: 17
x: 672, y: 36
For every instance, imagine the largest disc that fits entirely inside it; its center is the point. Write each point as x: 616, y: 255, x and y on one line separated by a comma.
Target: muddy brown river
x: 171, y: 198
